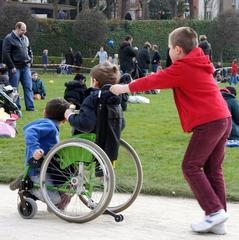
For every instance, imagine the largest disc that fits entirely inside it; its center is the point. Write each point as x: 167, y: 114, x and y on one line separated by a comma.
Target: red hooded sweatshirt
x: 196, y: 94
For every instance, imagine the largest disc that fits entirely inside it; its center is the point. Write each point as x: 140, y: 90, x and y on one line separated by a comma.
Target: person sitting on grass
x: 38, y: 87
x: 101, y: 111
x: 75, y: 91
x: 229, y: 94
x: 40, y: 136
x: 202, y: 111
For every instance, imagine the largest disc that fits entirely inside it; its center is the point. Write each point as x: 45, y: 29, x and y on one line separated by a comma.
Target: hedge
x: 58, y: 36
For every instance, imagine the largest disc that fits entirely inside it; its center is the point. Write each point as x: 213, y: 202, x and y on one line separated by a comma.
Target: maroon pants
x: 202, y: 164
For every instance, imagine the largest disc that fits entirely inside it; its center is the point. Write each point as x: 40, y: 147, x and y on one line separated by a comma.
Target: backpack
x: 110, y: 122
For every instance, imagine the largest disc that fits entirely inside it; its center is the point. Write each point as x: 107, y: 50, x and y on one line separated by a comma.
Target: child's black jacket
x: 101, y: 113
x: 75, y: 92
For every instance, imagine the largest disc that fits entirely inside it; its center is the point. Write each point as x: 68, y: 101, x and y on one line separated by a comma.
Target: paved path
x: 150, y: 218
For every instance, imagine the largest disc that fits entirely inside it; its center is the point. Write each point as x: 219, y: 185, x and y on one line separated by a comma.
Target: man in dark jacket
x: 69, y: 56
x: 126, y: 56
x: 143, y: 59
x: 229, y: 94
x: 17, y: 55
x: 78, y: 61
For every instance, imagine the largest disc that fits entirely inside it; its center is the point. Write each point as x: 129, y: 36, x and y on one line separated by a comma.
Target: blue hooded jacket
x: 42, y: 133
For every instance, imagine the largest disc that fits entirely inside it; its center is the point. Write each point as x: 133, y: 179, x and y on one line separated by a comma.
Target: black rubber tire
x: 31, y: 206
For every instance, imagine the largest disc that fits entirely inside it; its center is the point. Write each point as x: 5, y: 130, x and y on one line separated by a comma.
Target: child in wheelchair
x: 40, y: 136
x: 101, y: 111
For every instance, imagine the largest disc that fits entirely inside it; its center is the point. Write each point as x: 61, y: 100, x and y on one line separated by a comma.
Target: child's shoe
x: 219, y: 229
x: 210, y: 221
x: 15, y: 184
x: 65, y: 200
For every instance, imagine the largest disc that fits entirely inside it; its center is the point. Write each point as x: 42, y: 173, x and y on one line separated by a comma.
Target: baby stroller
x: 9, y: 112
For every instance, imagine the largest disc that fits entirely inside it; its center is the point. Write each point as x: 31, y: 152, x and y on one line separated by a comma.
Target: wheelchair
x: 82, y: 177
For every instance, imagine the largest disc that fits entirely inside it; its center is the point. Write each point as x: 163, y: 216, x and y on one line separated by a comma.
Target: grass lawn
x: 152, y: 129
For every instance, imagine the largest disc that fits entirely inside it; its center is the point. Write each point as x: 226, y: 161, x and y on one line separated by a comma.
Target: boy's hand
x: 69, y: 111
x: 118, y: 89
x: 38, y: 154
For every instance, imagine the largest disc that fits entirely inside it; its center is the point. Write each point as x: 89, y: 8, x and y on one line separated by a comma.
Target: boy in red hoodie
x: 203, y: 111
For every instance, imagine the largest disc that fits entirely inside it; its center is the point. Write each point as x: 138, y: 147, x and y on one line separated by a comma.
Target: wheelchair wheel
x: 73, y: 170
x: 128, y: 178
x: 30, y: 211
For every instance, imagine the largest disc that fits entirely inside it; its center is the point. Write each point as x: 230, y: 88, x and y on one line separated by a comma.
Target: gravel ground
x: 149, y: 218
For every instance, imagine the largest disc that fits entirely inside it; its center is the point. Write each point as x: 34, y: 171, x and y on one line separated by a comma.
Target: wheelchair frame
x: 85, y: 181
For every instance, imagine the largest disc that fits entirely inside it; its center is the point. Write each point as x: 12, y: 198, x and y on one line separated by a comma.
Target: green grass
x: 152, y: 129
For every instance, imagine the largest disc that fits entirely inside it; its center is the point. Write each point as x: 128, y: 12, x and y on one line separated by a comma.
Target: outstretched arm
x: 118, y: 89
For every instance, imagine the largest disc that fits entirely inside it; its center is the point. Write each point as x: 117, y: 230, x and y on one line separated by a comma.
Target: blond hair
x: 184, y: 37
x: 105, y: 73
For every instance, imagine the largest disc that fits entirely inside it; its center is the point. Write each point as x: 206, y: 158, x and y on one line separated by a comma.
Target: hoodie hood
x: 198, y: 59
x: 124, y: 44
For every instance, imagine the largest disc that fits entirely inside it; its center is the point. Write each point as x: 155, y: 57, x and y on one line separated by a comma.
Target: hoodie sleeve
x: 164, y: 79
x: 85, y: 121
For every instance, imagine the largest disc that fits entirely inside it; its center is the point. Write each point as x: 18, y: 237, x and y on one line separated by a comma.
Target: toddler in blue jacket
x: 40, y: 136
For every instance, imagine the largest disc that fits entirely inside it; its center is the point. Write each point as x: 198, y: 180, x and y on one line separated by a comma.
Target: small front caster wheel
x: 119, y: 218
x: 30, y: 211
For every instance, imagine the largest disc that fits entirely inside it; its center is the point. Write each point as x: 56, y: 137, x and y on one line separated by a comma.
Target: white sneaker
x: 218, y: 229
x: 210, y: 221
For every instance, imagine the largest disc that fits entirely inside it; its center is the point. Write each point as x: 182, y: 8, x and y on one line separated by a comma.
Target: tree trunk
x: 68, y: 13
x: 55, y: 9
x: 108, y: 9
x: 123, y: 8
x: 192, y: 9
x: 173, y: 5
x: 205, y: 8
x: 145, y: 10
x: 221, y: 6
x: 85, y: 5
x: 77, y: 7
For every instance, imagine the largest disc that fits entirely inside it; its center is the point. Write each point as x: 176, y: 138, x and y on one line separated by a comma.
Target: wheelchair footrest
x: 117, y: 217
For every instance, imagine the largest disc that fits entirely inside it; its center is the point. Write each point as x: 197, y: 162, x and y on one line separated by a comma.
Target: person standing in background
x: 69, y: 56
x: 143, y: 59
x: 127, y: 55
x: 155, y: 59
x: 205, y: 46
x: 78, y: 61
x: 102, y: 54
x: 17, y: 55
x: 234, y: 77
x: 45, y: 59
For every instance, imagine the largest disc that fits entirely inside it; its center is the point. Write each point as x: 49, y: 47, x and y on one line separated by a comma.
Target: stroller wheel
x: 30, y: 211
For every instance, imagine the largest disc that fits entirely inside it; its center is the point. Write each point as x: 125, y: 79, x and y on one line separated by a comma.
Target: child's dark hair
x: 127, y: 38
x: 232, y: 90
x: 105, y: 73
x: 184, y: 37
x: 80, y: 77
x: 55, y: 109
